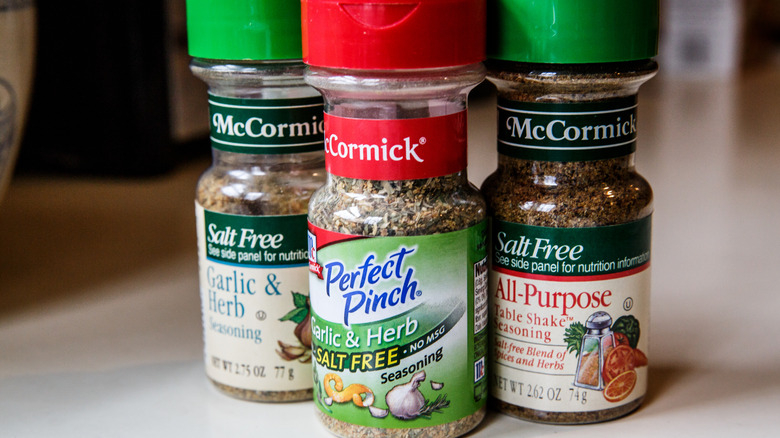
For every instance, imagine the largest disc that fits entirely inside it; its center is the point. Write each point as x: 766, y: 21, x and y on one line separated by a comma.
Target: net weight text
x: 247, y: 370
x: 540, y: 392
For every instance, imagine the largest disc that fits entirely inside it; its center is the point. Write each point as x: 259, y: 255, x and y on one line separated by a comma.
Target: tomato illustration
x: 640, y: 359
x: 618, y: 361
x: 620, y: 339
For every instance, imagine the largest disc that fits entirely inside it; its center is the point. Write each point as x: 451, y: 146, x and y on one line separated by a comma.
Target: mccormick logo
x: 255, y: 127
x: 558, y: 130
x: 395, y: 149
x: 313, y: 265
x: 567, y: 132
x: 266, y: 126
x: 479, y: 369
x: 404, y: 150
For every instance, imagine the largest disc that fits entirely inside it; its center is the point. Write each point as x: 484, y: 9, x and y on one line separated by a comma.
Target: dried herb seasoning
x: 397, y: 235
x: 398, y: 208
x: 570, y: 215
x: 251, y: 204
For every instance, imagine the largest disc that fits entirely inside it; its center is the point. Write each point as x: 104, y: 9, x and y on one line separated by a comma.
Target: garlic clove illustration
x: 377, y: 412
x: 290, y: 352
x: 436, y: 385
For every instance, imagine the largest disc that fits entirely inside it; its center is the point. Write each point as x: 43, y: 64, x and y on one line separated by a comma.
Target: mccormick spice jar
x: 570, y: 235
x: 266, y: 137
x: 397, y: 236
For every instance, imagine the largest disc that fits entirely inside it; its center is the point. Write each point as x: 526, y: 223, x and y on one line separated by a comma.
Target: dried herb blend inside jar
x: 397, y: 235
x: 266, y: 136
x: 570, y: 234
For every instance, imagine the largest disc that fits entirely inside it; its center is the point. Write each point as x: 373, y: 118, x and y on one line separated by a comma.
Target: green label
x: 570, y: 251
x: 255, y: 240
x: 399, y: 326
x: 266, y: 126
x: 567, y: 131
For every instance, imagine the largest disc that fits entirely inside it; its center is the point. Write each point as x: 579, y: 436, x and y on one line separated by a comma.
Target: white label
x: 546, y: 359
x: 252, y: 312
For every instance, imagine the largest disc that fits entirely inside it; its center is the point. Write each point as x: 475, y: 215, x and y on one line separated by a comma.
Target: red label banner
x: 398, y: 149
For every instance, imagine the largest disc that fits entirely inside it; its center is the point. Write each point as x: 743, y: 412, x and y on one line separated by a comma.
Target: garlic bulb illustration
x: 301, y: 316
x: 406, y: 401
x: 303, y: 329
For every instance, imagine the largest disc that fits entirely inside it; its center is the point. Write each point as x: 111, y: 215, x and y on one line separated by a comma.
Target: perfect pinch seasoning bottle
x: 397, y: 235
x: 267, y: 147
x: 570, y: 235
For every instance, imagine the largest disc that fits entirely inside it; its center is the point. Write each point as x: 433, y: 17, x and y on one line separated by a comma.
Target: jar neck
x: 268, y: 162
x: 395, y: 94
x: 253, y: 79
x: 562, y: 83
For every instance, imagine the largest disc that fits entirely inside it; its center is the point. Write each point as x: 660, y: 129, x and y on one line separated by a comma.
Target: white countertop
x: 100, y: 330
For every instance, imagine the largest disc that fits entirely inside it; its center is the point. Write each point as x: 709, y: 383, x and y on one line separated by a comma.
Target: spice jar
x: 570, y: 215
x: 397, y: 235
x: 266, y: 137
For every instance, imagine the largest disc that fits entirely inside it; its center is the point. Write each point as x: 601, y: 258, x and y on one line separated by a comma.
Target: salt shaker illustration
x: 595, y: 345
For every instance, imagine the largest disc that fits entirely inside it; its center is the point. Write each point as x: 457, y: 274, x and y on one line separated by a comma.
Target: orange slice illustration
x: 620, y: 387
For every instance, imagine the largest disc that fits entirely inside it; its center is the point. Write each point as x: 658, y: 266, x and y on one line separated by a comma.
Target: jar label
x: 397, y: 149
x: 567, y: 131
x: 254, y: 298
x: 399, y: 326
x: 567, y: 305
x: 266, y: 126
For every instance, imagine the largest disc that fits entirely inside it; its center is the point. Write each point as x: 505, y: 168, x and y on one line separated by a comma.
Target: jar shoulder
x: 397, y: 208
x: 611, y: 200
x: 250, y: 191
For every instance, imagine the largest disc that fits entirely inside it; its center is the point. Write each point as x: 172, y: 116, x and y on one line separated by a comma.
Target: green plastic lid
x: 572, y: 31
x: 244, y: 29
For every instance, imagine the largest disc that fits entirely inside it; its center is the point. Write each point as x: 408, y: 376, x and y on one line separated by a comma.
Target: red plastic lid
x: 393, y: 34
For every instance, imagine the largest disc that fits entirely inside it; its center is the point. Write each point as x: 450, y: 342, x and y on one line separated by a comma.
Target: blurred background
x: 98, y: 262
x: 112, y: 93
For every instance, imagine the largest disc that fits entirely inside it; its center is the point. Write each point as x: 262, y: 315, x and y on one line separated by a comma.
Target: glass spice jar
x: 397, y: 235
x: 266, y: 137
x: 570, y: 215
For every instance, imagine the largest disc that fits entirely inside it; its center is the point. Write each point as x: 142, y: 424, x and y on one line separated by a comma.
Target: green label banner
x: 567, y: 131
x: 256, y: 240
x: 266, y: 126
x: 571, y: 252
